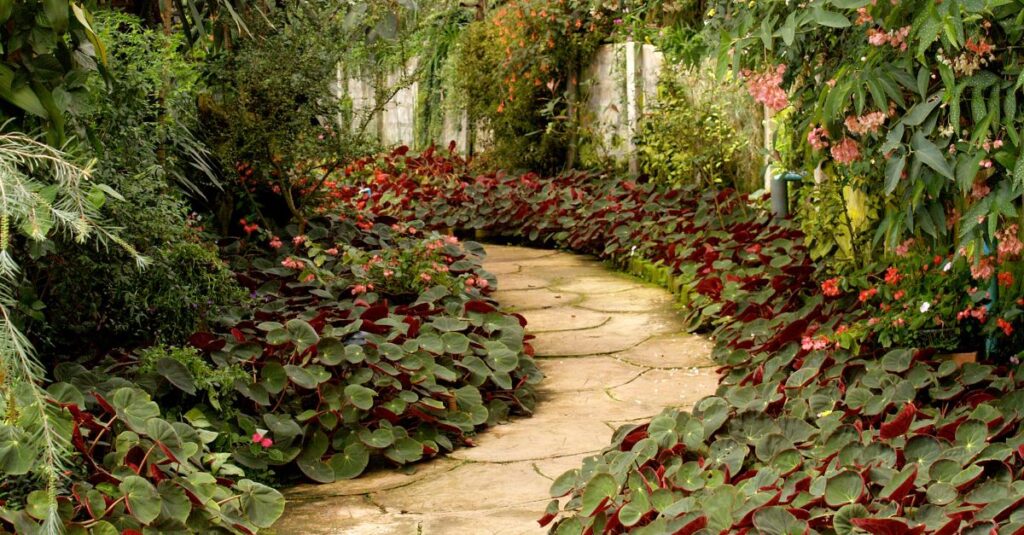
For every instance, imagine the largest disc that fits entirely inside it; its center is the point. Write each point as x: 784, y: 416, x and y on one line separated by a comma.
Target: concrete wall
x: 611, y: 111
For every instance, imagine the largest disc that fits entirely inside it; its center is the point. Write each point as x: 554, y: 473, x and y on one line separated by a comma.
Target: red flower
x: 1006, y: 279
x: 1005, y: 326
x: 892, y: 276
x: 830, y: 287
x: 867, y: 294
x: 898, y: 295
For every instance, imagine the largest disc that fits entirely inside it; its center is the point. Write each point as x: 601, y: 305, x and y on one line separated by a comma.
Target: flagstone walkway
x: 614, y: 351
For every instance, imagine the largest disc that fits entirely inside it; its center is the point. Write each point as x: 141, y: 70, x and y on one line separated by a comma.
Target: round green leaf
x: 351, y: 462
x: 844, y: 488
x: 360, y: 396
x: 261, y: 504
x: 142, y: 499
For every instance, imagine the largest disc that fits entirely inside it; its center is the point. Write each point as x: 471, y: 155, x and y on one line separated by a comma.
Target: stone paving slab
x: 561, y: 319
x: 614, y: 353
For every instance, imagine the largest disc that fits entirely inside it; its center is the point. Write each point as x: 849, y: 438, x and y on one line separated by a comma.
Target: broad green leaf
x: 261, y: 504
x: 302, y: 334
x: 142, y: 498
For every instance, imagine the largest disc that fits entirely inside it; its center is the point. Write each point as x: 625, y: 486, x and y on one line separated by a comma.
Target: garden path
x: 613, y: 350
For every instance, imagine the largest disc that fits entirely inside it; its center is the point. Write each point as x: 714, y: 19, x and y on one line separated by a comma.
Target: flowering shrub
x: 347, y: 364
x: 915, y: 99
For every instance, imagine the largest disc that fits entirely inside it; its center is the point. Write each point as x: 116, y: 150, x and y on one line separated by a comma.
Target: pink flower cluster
x: 903, y: 248
x: 1010, y: 245
x: 978, y: 313
x: 262, y: 440
x: 766, y: 87
x: 846, y: 151
x: 275, y: 242
x: 867, y: 123
x: 360, y: 289
x: 895, y: 38
x: 983, y: 269
x: 814, y: 343
x: 292, y: 263
x: 817, y: 138
x: 830, y: 287
x: 477, y: 282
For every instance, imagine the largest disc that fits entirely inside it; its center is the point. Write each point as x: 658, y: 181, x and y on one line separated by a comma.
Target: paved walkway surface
x: 614, y: 351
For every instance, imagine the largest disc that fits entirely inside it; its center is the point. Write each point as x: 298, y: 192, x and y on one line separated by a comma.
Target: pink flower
x: 425, y: 276
x: 451, y: 239
x: 867, y: 123
x: 846, y: 151
x: 388, y: 273
x: 766, y: 87
x: 359, y: 289
x: 809, y: 343
x: 1010, y: 245
x: 266, y: 443
x: 292, y: 263
x: 275, y: 243
x: 983, y: 269
x: 903, y: 248
x: 259, y: 438
x: 817, y: 138
x: 256, y: 437
x: 333, y: 251
x: 298, y: 240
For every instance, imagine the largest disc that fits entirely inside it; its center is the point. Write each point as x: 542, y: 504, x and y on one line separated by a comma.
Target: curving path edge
x: 614, y: 351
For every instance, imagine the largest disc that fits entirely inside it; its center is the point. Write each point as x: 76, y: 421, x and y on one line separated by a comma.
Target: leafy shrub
x: 132, y: 470
x: 518, y: 74
x: 143, y: 127
x: 339, y: 371
x: 691, y: 137
x: 117, y: 306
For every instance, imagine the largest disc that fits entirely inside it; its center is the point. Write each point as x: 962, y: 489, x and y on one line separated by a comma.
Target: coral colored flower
x: 846, y: 151
x: 333, y: 251
x: 830, y: 287
x: 425, y: 276
x: 1005, y: 326
x: 983, y: 269
x: 292, y: 263
x: 892, y: 276
x: 867, y: 294
x: 766, y: 87
x: 899, y: 295
x: 298, y: 240
x: 1005, y: 279
x: 359, y: 289
x: 809, y: 343
x: 275, y: 243
x: 388, y: 273
x: 865, y: 124
x: 1010, y: 245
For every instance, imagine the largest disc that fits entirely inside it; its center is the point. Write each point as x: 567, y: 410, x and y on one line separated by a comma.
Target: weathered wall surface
x: 612, y: 111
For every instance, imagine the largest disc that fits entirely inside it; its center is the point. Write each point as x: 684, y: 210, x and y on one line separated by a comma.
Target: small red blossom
x: 1005, y: 326
x: 867, y: 294
x: 1005, y: 279
x: 830, y: 287
x: 892, y: 276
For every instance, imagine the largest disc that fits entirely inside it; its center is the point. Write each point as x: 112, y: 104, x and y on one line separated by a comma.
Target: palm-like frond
x: 42, y: 193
